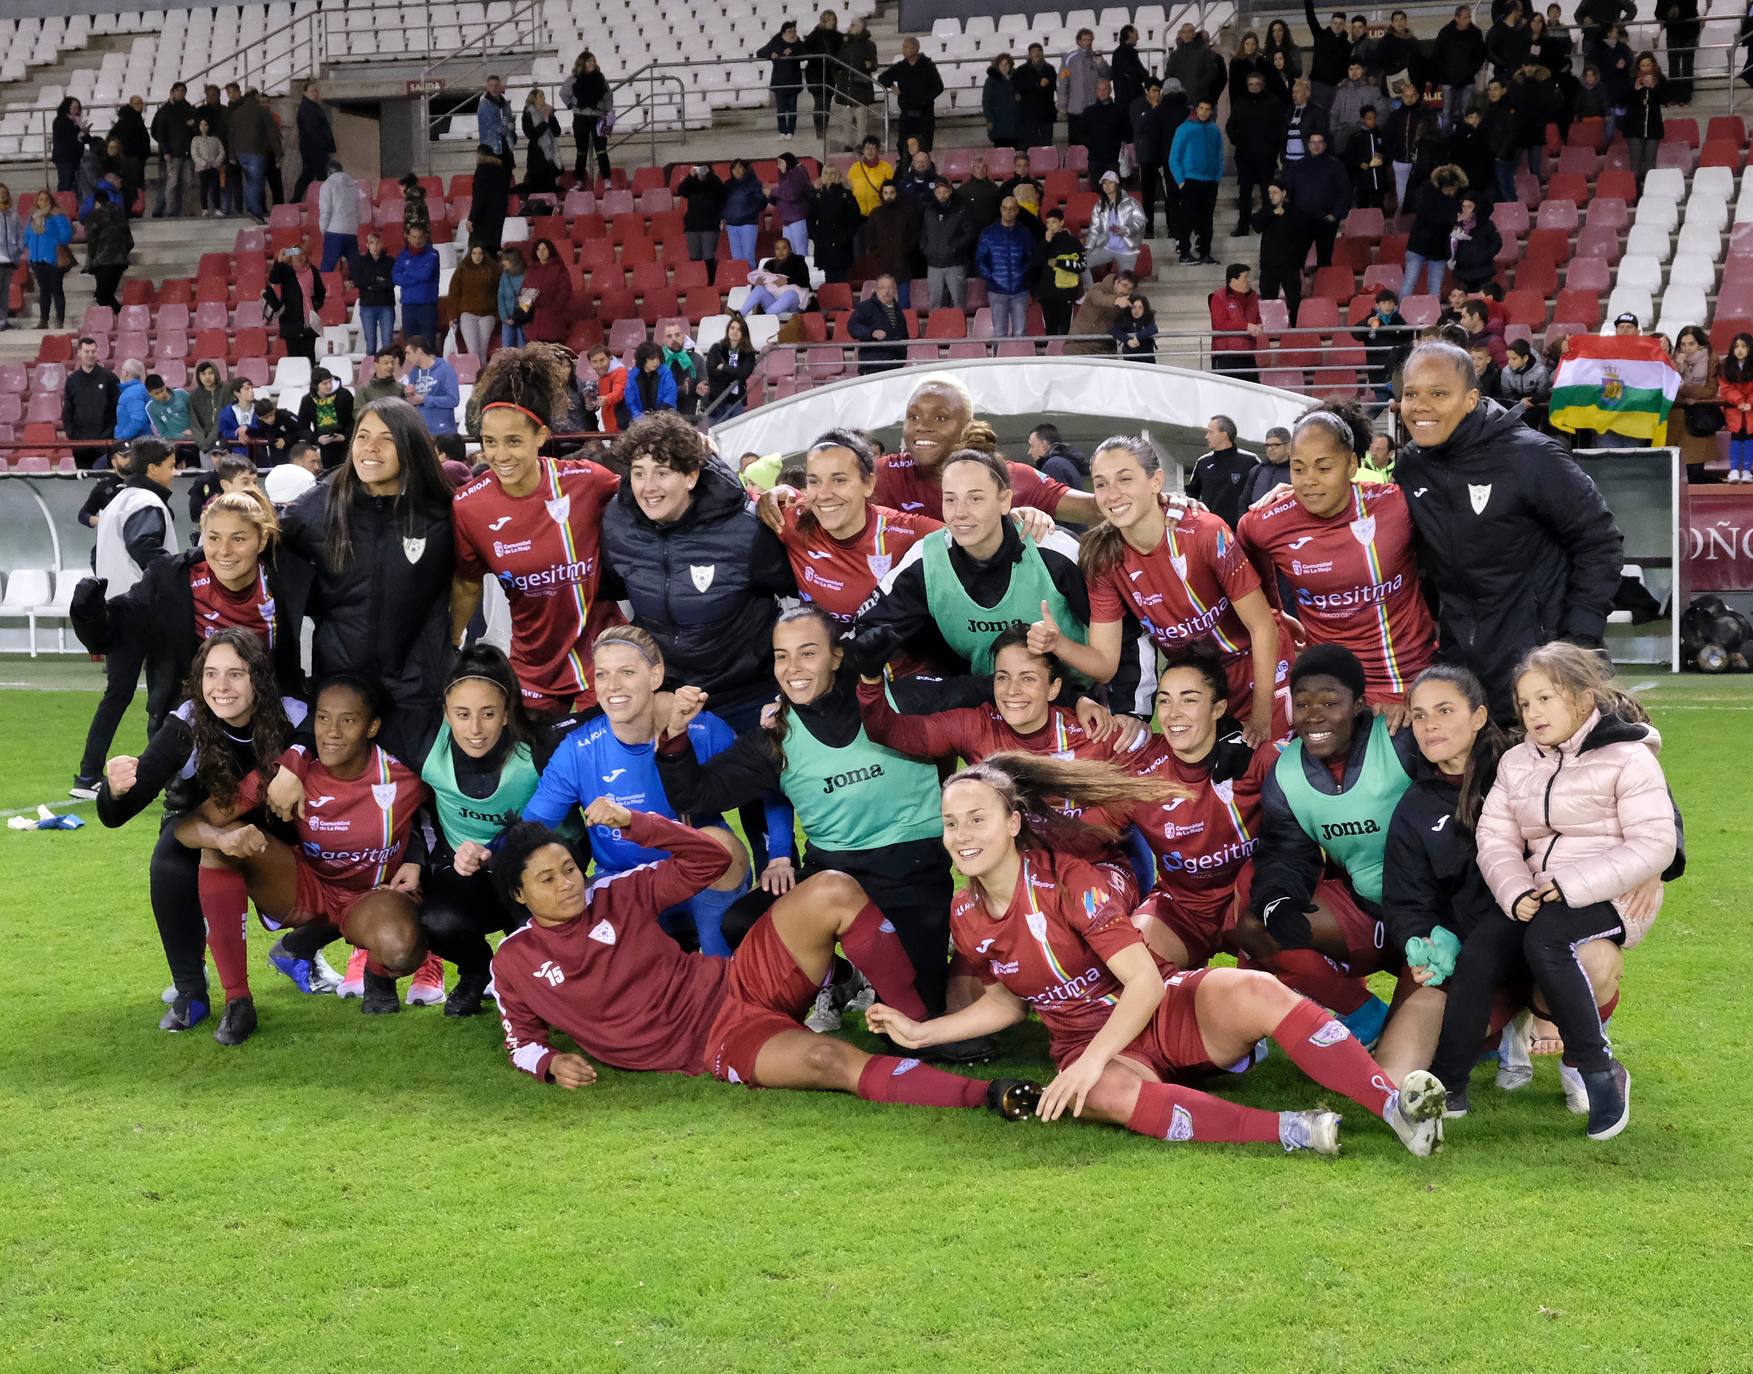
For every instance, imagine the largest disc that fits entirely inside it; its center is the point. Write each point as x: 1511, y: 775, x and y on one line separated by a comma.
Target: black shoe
x: 84, y: 786
x: 183, y: 1014
x: 380, y: 995
x: 1149, y: 229
x: 1015, y: 1099
x: 1609, y: 1101
x: 1456, y: 1105
x: 1206, y: 260
x: 239, y: 1022
x: 1241, y: 231
x: 975, y: 1051
x: 465, y: 997
x: 1185, y: 258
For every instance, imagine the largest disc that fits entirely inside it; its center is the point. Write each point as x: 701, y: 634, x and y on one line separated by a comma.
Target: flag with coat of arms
x: 1622, y: 383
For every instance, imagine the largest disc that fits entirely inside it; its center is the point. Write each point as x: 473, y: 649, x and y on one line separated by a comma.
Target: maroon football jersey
x: 1203, y: 841
x: 901, y: 486
x: 841, y: 576
x: 218, y: 608
x: 353, y: 830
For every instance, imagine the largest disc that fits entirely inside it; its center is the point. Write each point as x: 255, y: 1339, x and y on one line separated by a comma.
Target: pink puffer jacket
x: 1593, y: 816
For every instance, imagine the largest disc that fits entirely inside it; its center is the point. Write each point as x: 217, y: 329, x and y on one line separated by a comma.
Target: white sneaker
x: 1576, y: 1095
x: 353, y: 984
x: 169, y: 995
x: 323, y: 977
x: 1515, y: 1066
x: 864, y: 998
x: 823, y: 1017
x: 1317, y: 1131
x: 427, y: 986
x: 1416, y: 1113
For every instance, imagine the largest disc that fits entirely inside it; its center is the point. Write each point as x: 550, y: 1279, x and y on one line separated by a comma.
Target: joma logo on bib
x: 1342, y: 828
x: 848, y: 779
x: 991, y: 626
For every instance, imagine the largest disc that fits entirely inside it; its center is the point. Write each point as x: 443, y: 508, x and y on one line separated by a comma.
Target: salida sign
x: 1718, y: 543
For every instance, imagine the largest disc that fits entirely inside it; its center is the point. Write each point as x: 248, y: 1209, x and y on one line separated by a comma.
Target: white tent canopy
x: 1135, y: 395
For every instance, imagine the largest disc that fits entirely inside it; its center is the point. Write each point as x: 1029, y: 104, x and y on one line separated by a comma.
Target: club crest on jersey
x: 413, y: 548
x: 1479, y: 496
x: 1037, y: 925
x: 603, y: 933
x: 559, y: 508
x: 879, y: 564
x: 1364, y: 530
x: 1224, y: 791
x: 702, y: 575
x: 384, y: 794
x: 1179, y: 562
x: 268, y: 609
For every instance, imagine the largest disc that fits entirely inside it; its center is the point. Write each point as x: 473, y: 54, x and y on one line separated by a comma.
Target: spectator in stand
x: 495, y: 126
x: 271, y: 433
x: 1483, y: 331
x: 1280, y: 43
x: 1002, y: 260
x: 1256, y: 131
x: 729, y: 364
x: 853, y: 84
x: 780, y: 285
x: 1028, y: 200
x: 1457, y: 55
x: 167, y: 411
x: 1053, y: 457
x: 237, y: 417
x: 1020, y: 175
x: 1595, y: 17
x: 13, y: 253
x: 917, y: 180
x: 1129, y: 71
x: 1468, y: 149
x: 131, y: 402
x: 1498, y: 125
x: 1196, y: 164
x: 1200, y: 71
x: 917, y: 85
x: 702, y: 196
x: 1135, y: 332
x: 1345, y: 115
x: 209, y: 396
x: 1105, y: 130
x: 1366, y: 158
x: 1321, y: 187
x: 136, y: 147
x: 316, y: 142
x: 946, y: 239
x: 823, y: 43
x: 254, y: 139
x: 108, y: 242
x: 207, y: 156
x: 325, y: 417
x: 1525, y: 378
x: 1643, y: 117
x: 1698, y: 398
x: 784, y: 51
x: 1153, y: 120
x: 1332, y: 53
x: 607, y: 394
x: 1284, y: 247
x: 880, y: 318
x: 373, y: 273
x: 1508, y: 43
x: 489, y: 203
x: 47, y: 233
x: 1302, y: 119
x: 1612, y: 57
x: 293, y: 295
x: 173, y: 129
x: 1248, y: 59
x: 979, y: 195
x: 1092, y: 327
x: 1414, y: 140
x: 890, y: 235
x: 1591, y: 100
x: 416, y: 274
x: 834, y: 224
x: 1486, y: 370
x: 1538, y: 102
x: 1735, y: 383
x: 1235, y: 325
x: 1474, y: 244
x: 744, y: 199
x: 1082, y: 68
x: 1681, y: 30
x: 386, y: 371
x: 999, y: 104
x: 548, y: 285
x: 1058, y: 270
x: 586, y: 93
x: 213, y: 109
x: 868, y: 176
x: 1037, y: 92
x: 1116, y: 228
x: 473, y: 301
x: 88, y: 404
x: 1435, y: 208
x: 1272, y: 471
x: 505, y: 298
x: 431, y: 387
x: 651, y: 387
x: 67, y: 139
x: 1385, y: 341
x: 794, y: 197
x: 541, y: 171
x: 1220, y: 474
x: 338, y: 218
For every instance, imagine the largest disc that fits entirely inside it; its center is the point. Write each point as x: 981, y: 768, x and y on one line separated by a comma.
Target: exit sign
x: 430, y: 86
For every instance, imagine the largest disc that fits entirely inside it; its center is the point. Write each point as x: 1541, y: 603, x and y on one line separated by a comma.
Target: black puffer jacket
x: 1431, y: 877
x: 704, y: 585
x: 158, y: 613
x: 1515, y: 540
x: 385, y: 616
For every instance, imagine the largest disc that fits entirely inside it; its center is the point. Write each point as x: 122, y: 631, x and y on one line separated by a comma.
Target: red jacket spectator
x: 1231, y: 313
x: 551, y: 315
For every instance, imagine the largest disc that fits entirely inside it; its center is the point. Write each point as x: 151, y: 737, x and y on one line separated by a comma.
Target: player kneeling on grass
x: 593, y: 963
x: 1043, y: 929
x: 356, y: 870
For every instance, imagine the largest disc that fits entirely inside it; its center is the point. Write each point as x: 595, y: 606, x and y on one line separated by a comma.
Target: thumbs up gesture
x: 1044, y: 633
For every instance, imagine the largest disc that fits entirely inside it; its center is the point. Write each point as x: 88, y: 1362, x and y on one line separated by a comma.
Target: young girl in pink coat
x: 1575, y: 831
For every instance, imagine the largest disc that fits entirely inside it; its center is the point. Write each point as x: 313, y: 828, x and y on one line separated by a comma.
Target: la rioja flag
x: 1622, y: 383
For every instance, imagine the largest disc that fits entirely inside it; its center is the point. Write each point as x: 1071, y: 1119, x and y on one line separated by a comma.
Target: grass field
x: 341, y: 1194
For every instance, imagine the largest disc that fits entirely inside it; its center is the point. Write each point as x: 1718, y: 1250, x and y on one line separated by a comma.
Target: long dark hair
x: 489, y: 664
x: 1037, y: 788
x: 775, y: 728
x: 513, y: 856
x: 1738, y: 370
x: 532, y: 378
x: 270, y: 732
x: 426, y: 491
x: 863, y: 451
x: 1481, y: 767
x: 1103, y: 545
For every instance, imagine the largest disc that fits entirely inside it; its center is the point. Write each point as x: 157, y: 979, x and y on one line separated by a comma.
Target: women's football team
x: 1318, y: 797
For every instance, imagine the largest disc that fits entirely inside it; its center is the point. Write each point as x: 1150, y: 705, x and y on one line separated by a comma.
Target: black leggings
x: 50, y: 290
x: 122, y: 667
x: 174, y: 882
x: 458, y: 913
x: 1500, y: 949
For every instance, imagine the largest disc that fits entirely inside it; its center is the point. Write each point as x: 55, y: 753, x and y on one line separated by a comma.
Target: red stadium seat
x: 1567, y: 186
x: 1537, y: 274
x: 1583, y: 162
x: 703, y: 301
x: 98, y: 319
x: 1578, y: 307
x: 1274, y: 315
x: 1364, y: 224
x: 1720, y: 155
x: 1353, y: 253
x: 49, y: 377
x: 1724, y: 328
x: 1589, y: 133
x: 638, y: 250
x: 1525, y: 307
x: 1616, y: 184
x: 1556, y: 214
x: 13, y: 379
x: 1335, y: 283
x: 1043, y: 159
x: 44, y: 408
x: 1589, y: 274
x: 1420, y: 311
x: 1510, y: 217
x: 211, y: 343
x: 1550, y: 243
x: 1683, y: 131
x: 1318, y: 313
x: 251, y: 343
x: 659, y: 303
x: 946, y: 323
x: 1299, y: 350
x: 1333, y: 383
x: 687, y: 274
x: 1672, y: 154
x: 1721, y: 129
x: 648, y: 276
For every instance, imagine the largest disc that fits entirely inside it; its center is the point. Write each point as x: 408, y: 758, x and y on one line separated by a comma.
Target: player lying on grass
x: 594, y: 964
x: 356, y: 870
x: 1042, y: 929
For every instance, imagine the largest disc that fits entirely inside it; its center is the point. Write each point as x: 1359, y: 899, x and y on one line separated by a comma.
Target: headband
x: 540, y: 423
x: 628, y: 643
x: 476, y: 677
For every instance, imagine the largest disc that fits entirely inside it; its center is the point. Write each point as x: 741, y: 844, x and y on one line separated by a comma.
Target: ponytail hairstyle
x: 532, y: 379
x: 635, y: 638
x: 1034, y: 786
x: 855, y: 442
x: 1346, y: 422
x: 270, y: 731
x: 252, y: 506
x: 1103, y: 547
x: 486, y: 663
x: 1583, y: 675
x: 979, y: 436
x: 1017, y: 637
x: 1481, y: 768
x: 775, y: 725
x: 993, y: 464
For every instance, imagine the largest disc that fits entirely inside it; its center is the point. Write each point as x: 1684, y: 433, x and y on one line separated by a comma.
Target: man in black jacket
x: 1037, y: 91
x: 1154, y: 119
x: 130, y: 129
x: 1332, y: 53
x: 88, y: 404
x: 979, y: 195
x: 946, y: 239
x: 1221, y: 472
x: 1457, y: 55
x: 1514, y: 538
x: 1321, y: 188
x: 1105, y: 128
x: 917, y: 85
x: 173, y: 129
x: 1256, y: 132
x: 1273, y: 469
x: 316, y: 141
x: 880, y: 319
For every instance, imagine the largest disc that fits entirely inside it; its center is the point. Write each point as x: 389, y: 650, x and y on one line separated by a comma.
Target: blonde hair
x: 249, y: 504
x: 1584, y: 676
x: 635, y: 638
x: 1034, y: 786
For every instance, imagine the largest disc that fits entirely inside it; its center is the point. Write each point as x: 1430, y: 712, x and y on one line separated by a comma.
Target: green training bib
x: 480, y: 819
x: 861, y: 796
x: 968, y: 627
x: 1353, y: 825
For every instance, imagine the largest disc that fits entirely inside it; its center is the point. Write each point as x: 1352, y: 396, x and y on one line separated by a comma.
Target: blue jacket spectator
x: 743, y: 198
x: 417, y: 275
x: 40, y: 244
x: 435, y: 382
x: 1004, y: 256
x: 495, y: 128
x: 131, y: 418
x: 1197, y: 152
x: 649, y: 389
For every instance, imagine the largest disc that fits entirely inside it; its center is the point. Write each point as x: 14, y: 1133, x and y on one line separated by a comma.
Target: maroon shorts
x: 315, y: 900
x: 764, y: 996
x: 1171, y: 1045
x: 1200, y: 931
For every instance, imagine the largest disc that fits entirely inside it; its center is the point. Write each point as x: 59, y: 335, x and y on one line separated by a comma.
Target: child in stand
x: 1735, y: 385
x: 1135, y: 331
x: 1574, y: 840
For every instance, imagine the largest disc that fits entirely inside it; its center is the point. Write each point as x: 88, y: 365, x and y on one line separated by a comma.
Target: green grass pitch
x: 388, y: 1195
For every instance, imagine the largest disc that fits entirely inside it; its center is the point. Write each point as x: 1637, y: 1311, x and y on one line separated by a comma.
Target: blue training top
x: 592, y: 763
